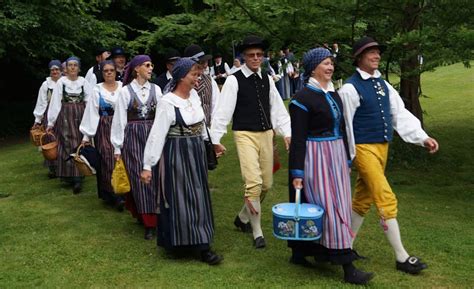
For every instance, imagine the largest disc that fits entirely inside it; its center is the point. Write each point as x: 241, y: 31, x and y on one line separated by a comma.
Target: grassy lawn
x: 50, y: 238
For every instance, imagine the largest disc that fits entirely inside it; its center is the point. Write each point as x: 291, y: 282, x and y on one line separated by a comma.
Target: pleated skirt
x: 144, y: 195
x: 327, y: 184
x: 106, y: 151
x: 186, y: 217
x: 69, y: 137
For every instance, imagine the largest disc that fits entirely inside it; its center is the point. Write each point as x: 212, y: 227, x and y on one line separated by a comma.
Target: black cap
x: 116, y: 51
x: 217, y: 55
x: 252, y: 41
x: 196, y: 51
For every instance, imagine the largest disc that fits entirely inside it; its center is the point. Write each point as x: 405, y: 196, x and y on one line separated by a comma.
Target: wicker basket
x: 49, y: 150
x: 81, y: 165
x: 36, y: 132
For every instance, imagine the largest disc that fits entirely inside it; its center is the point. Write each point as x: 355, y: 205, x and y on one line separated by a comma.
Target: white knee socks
x: 243, y: 216
x: 255, y: 219
x: 392, y: 231
x: 356, y: 223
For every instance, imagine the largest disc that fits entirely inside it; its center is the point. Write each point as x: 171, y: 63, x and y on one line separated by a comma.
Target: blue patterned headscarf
x: 312, y: 58
x: 181, y: 67
x: 54, y: 63
x: 74, y: 58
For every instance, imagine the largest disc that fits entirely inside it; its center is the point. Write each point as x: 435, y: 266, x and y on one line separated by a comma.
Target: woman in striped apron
x: 42, y: 103
x: 319, y: 165
x: 132, y: 121
x: 96, y: 123
x: 65, y: 114
x: 176, y: 141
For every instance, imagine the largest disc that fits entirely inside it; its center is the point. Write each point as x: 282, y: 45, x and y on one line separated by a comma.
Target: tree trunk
x: 409, y: 65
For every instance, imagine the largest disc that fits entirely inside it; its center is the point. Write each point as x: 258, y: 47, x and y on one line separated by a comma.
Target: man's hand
x: 145, y: 176
x: 432, y: 145
x: 219, y: 149
x: 287, y: 142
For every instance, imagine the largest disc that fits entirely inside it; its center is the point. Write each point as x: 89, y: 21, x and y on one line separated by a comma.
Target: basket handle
x: 42, y: 136
x: 297, y: 203
x: 79, y: 148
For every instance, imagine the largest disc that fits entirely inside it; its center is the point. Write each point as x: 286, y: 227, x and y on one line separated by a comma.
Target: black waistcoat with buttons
x: 252, y: 110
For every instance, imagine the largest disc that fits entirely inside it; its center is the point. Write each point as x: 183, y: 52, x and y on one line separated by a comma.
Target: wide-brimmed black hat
x: 365, y: 43
x: 172, y: 55
x: 100, y: 50
x: 195, y: 51
x: 252, y: 41
x: 116, y: 51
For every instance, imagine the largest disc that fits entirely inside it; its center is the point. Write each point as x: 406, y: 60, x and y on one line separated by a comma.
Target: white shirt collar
x: 168, y: 75
x: 312, y: 81
x: 247, y: 72
x: 137, y: 86
x: 177, y: 101
x: 366, y: 75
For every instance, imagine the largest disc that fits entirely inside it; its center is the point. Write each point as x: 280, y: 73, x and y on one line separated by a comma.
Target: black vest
x: 219, y: 70
x: 98, y: 73
x: 252, y: 110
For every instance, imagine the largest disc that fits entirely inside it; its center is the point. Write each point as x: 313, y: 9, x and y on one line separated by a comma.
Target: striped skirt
x: 106, y: 151
x: 69, y: 137
x: 144, y: 195
x: 327, y: 184
x: 186, y: 217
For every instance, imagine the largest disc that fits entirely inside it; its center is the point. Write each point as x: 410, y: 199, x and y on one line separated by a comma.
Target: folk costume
x: 319, y: 156
x: 373, y: 109
x: 65, y: 114
x: 131, y: 124
x: 96, y: 124
x: 251, y: 100
x: 176, y: 144
x: 41, y: 109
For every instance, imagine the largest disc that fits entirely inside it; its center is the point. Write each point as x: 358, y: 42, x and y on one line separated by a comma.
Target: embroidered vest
x: 72, y: 97
x: 372, y: 121
x: 182, y: 129
x: 141, y: 111
x: 105, y: 108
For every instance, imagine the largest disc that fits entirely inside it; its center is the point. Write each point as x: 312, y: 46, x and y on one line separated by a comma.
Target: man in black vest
x: 119, y: 56
x: 250, y: 99
x: 162, y: 80
x: 220, y: 70
x: 94, y: 75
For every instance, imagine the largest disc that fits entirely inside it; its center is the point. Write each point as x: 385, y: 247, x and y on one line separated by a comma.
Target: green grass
x: 50, y: 238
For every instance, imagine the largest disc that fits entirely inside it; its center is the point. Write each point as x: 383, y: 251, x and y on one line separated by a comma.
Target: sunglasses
x: 148, y: 65
x: 253, y: 55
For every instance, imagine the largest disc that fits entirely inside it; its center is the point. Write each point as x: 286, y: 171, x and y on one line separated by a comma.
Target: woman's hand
x: 432, y: 145
x: 287, y: 142
x: 219, y: 149
x: 117, y: 157
x: 298, y: 183
x: 145, y: 176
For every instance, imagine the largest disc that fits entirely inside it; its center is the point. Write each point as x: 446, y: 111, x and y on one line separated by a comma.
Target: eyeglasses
x: 253, y: 55
x: 54, y: 69
x: 148, y: 65
x: 108, y: 70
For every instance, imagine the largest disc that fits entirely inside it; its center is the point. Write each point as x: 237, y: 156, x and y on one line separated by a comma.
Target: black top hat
x: 116, y: 51
x: 100, y: 50
x: 195, y: 51
x: 365, y: 43
x: 172, y: 55
x: 252, y: 41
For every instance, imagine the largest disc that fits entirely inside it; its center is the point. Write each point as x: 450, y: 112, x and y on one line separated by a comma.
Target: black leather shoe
x: 246, y: 228
x: 412, y: 265
x: 210, y: 257
x: 148, y: 233
x: 358, y: 277
x: 52, y: 175
x: 259, y: 243
x: 120, y: 205
x: 76, y: 188
x: 300, y: 261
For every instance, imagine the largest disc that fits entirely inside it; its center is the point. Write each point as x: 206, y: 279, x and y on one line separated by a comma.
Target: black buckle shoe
x: 120, y: 205
x: 210, y: 257
x: 358, y: 277
x: 412, y: 265
x: 246, y: 228
x: 301, y: 260
x: 259, y: 243
x: 148, y: 233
